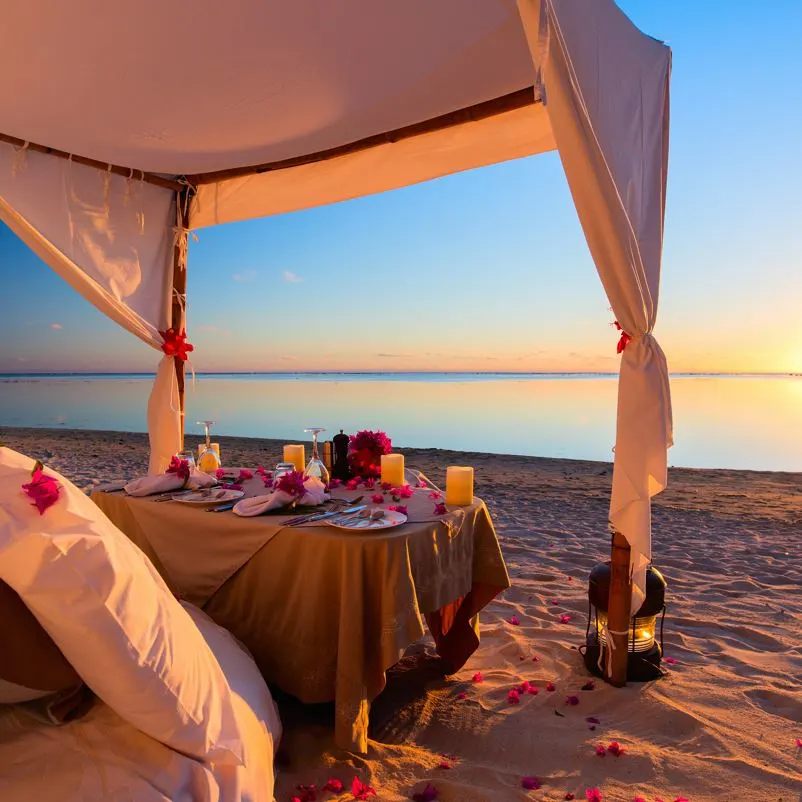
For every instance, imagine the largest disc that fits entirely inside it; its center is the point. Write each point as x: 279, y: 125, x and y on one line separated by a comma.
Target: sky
x: 488, y: 270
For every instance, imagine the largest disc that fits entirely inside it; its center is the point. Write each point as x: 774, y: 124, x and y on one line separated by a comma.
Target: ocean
x: 733, y: 421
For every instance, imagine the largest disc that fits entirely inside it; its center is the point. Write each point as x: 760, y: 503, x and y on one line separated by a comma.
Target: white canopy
x: 124, y: 126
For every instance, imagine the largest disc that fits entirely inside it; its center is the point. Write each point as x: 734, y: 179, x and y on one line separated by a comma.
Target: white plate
x: 391, y: 519
x: 209, y: 497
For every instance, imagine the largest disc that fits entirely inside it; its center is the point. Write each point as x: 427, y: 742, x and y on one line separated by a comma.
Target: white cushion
x: 114, y: 619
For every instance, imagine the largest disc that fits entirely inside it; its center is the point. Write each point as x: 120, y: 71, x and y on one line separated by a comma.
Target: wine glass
x: 315, y: 466
x: 187, y: 455
x: 208, y: 459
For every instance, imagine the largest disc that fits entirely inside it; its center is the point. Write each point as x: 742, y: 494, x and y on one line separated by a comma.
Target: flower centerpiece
x: 365, y: 450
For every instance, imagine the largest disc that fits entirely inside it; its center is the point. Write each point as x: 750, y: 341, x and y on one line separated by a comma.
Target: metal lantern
x: 644, y: 653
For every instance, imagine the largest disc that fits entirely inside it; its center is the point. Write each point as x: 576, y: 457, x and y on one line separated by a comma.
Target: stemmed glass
x: 315, y: 466
x: 209, y: 459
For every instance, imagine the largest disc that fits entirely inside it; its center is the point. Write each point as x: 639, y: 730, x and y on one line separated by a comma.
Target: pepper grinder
x: 341, y: 470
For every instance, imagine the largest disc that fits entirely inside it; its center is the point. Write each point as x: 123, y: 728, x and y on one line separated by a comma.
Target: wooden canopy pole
x: 179, y: 297
x: 618, y: 617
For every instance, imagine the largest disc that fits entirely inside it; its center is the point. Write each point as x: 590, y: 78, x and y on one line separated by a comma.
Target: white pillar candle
x: 393, y: 469
x: 295, y: 455
x: 459, y: 485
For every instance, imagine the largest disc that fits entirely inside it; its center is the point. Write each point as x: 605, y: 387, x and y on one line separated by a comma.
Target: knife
x: 323, y: 515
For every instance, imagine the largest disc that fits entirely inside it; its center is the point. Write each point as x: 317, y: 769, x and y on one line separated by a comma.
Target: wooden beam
x: 618, y: 617
x: 480, y: 111
x: 136, y: 175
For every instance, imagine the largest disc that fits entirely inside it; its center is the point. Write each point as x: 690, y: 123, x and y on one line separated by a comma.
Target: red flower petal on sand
x: 360, y: 790
x: 477, y: 677
x: 569, y: 796
x: 428, y: 794
x: 462, y: 695
x: 334, y: 786
x: 572, y: 700
x: 535, y: 659
x: 402, y: 508
x: 601, y: 751
x: 515, y: 621
x: 513, y: 697
x: 377, y: 498
x: 443, y: 764
x: 564, y: 619
x: 670, y: 660
x: 799, y: 743
x: 593, y: 795
x: 616, y: 749
x: 550, y: 686
x: 531, y: 783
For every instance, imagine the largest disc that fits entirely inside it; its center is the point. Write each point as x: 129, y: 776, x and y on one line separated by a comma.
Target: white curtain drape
x: 111, y: 239
x: 607, y: 95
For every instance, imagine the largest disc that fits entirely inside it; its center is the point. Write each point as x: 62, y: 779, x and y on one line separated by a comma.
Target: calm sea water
x: 720, y: 421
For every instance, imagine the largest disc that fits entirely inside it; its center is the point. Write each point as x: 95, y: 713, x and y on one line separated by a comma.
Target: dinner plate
x: 209, y: 497
x: 391, y: 519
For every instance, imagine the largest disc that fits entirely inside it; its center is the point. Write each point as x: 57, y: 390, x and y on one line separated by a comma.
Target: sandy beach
x: 722, y: 724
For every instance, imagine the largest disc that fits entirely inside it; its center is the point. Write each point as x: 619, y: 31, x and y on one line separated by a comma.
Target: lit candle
x: 393, y: 469
x: 295, y: 455
x: 459, y: 485
x: 216, y: 448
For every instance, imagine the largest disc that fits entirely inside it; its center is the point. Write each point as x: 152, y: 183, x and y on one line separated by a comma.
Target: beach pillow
x: 31, y: 665
x: 113, y: 618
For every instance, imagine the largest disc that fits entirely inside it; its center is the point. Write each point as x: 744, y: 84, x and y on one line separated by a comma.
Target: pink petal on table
x: 335, y: 482
x: 513, y: 697
x: 245, y: 474
x: 333, y: 785
x: 440, y: 509
x: 550, y: 686
x: 377, y: 498
x: 680, y: 799
x: 593, y: 795
x: 531, y: 783
x: 477, y: 677
x: 462, y: 695
x: 428, y: 794
x: 369, y: 484
x: 436, y: 495
x: 572, y: 700
x: 352, y: 484
x: 534, y: 690
x: 219, y: 473
x: 360, y: 790
x: 565, y: 618
x: 616, y: 749
x: 601, y: 751
x: 593, y: 720
x: 638, y: 799
x: 515, y: 621
x: 400, y: 508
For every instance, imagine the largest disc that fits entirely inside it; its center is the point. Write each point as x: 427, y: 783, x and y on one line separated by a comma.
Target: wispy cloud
x: 289, y: 358
x: 56, y: 326
x: 394, y: 356
x: 293, y: 278
x: 244, y: 275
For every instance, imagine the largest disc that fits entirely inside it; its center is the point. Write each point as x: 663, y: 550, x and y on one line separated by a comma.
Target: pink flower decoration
x: 219, y: 473
x: 440, y: 509
x: 601, y: 751
x: 564, y: 619
x: 477, y: 677
x: 335, y: 483
x: 334, y: 786
x: 260, y: 469
x: 365, y: 449
x: 245, y: 474
x: 420, y: 483
x: 535, y: 659
x: 377, y: 498
x: 638, y: 799
x: 443, y: 764
x: 180, y: 467
x: 799, y: 743
x: 402, y: 508
x: 593, y: 795
x: 524, y: 687
x: 551, y: 687
x: 572, y: 700
x: 436, y: 495
x: 428, y: 794
x: 369, y: 484
x: 268, y: 483
x: 616, y: 749
x: 352, y: 484
x: 360, y: 790
x: 405, y: 491
x: 515, y: 621
x: 292, y: 483
x: 234, y: 486
x: 462, y: 695
x: 533, y: 690
x: 531, y: 783
x: 670, y: 660
x: 513, y: 697
x: 43, y: 491
x: 680, y: 799
x: 569, y: 796
x: 386, y: 486
x: 554, y: 601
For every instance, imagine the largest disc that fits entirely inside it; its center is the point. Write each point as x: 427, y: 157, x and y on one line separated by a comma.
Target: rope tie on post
x: 609, y: 643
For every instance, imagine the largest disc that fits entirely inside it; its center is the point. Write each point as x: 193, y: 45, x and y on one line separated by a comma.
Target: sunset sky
x: 488, y: 270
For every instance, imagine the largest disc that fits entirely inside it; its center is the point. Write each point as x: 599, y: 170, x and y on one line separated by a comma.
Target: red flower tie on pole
x: 175, y: 344
x: 624, y: 341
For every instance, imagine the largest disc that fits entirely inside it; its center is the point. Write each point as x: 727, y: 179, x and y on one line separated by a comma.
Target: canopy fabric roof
x: 122, y: 127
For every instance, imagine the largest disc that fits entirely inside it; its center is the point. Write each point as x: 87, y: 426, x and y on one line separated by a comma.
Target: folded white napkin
x: 148, y: 485
x: 257, y: 505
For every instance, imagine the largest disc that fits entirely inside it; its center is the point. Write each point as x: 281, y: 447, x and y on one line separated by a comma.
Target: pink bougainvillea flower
x: 428, y: 794
x: 440, y: 509
x: 680, y: 799
x: 550, y: 686
x: 402, y: 508
x: 477, y: 677
x: 335, y: 483
x: 43, y: 491
x: 569, y: 796
x: 589, y: 685
x: 260, y: 469
x: 535, y: 659
x: 565, y: 618
x: 420, y: 483
x: 334, y: 786
x: 219, y: 473
x: 593, y: 795
x: 616, y: 749
x: 369, y: 484
x: 377, y: 498
x: 386, y: 486
x: 513, y: 697
x: 292, y: 484
x: 531, y: 783
x: 234, y: 486
x: 601, y: 751
x: 572, y: 700
x: 436, y: 495
x: 462, y: 695
x: 799, y: 743
x: 554, y: 601
x: 443, y: 764
x: 638, y: 799
x: 523, y: 687
x: 670, y: 660
x: 533, y: 690
x: 268, y: 483
x: 180, y: 467
x: 593, y: 720
x: 352, y: 484
x: 245, y: 474
x: 515, y: 621
x: 405, y: 491
x: 360, y: 790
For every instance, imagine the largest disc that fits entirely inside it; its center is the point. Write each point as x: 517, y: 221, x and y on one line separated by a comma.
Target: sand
x: 721, y: 725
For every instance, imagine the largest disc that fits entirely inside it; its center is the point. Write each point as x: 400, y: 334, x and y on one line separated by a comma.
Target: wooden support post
x: 618, y: 609
x: 178, y: 317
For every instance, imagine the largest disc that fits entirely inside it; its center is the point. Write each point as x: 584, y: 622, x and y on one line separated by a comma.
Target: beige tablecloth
x: 326, y: 612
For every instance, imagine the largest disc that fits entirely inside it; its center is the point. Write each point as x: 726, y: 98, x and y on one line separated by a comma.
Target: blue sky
x: 489, y: 270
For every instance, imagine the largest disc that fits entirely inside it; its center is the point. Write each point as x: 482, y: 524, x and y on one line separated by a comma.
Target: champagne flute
x: 209, y: 459
x: 315, y: 467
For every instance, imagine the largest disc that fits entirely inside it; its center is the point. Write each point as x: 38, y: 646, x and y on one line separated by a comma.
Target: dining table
x: 327, y: 611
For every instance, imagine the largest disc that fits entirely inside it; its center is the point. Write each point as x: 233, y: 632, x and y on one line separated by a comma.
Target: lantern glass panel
x: 642, y: 628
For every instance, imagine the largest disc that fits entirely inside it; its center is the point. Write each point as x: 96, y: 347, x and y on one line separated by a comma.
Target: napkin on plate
x: 163, y: 483
x: 258, y: 505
